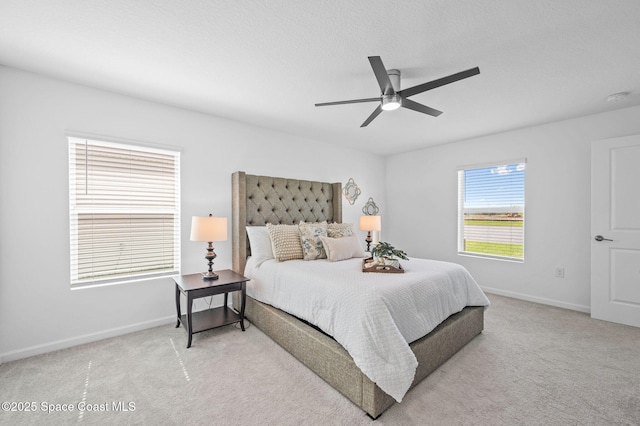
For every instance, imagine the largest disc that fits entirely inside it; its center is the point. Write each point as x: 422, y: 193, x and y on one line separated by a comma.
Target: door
x: 615, y: 230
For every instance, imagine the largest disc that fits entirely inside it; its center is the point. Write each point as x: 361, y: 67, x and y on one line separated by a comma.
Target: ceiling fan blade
x: 408, y: 103
x: 439, y: 82
x: 354, y: 101
x: 373, y: 115
x: 386, y: 88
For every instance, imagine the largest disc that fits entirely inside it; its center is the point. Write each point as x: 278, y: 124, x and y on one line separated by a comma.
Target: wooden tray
x: 387, y: 269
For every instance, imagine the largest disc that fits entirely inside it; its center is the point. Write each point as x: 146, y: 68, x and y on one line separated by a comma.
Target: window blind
x: 124, y: 211
x: 491, y: 210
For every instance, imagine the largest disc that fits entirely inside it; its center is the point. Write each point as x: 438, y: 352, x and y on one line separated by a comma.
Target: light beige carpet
x: 533, y: 365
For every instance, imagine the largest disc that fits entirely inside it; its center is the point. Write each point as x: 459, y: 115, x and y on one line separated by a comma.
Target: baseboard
x: 542, y: 300
x: 79, y: 340
x: 87, y: 338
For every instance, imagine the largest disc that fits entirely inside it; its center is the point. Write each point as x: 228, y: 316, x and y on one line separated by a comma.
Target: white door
x: 615, y: 230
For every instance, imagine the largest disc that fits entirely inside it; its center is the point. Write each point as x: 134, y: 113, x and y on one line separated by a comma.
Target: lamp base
x: 368, y: 240
x: 209, y: 275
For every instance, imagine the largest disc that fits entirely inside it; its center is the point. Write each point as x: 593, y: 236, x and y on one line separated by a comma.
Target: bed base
x: 257, y: 200
x: 329, y: 360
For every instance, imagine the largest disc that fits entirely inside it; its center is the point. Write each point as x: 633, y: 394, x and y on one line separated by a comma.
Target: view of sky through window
x: 506, y: 183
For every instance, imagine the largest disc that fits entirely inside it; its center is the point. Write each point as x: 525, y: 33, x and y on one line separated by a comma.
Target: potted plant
x: 386, y: 254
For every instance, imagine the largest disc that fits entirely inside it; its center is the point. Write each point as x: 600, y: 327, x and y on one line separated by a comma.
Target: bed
x: 258, y: 200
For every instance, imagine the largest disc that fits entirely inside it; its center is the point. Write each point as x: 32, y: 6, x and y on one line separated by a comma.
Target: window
x: 491, y: 211
x: 124, y: 212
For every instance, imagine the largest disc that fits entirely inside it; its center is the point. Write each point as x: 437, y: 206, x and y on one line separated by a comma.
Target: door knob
x: 601, y: 238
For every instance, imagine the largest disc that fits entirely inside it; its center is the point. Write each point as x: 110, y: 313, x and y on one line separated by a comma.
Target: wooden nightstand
x: 194, y: 287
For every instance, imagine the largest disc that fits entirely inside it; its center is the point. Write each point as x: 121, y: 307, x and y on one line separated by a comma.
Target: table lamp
x: 209, y: 229
x: 370, y: 223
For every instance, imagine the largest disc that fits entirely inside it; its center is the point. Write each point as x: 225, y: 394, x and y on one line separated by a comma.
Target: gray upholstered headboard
x: 258, y: 200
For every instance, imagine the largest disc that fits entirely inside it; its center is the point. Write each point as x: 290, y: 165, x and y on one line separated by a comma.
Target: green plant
x: 388, y: 251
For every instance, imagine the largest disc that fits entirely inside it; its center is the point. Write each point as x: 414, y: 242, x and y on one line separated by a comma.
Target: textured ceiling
x: 267, y: 63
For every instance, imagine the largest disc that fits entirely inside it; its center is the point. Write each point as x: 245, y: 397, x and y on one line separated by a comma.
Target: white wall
x: 38, y: 311
x: 422, y: 190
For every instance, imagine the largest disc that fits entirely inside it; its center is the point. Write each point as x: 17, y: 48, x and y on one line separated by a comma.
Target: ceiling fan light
x: 390, y: 102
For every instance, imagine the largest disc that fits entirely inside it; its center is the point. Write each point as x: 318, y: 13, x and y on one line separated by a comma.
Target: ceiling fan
x: 392, y: 98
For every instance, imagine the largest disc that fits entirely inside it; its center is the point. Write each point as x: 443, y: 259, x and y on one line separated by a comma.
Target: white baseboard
x: 542, y: 300
x: 87, y: 338
x: 79, y: 340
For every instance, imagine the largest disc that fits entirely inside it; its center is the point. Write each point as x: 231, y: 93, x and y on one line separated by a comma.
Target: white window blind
x: 124, y: 211
x: 491, y: 210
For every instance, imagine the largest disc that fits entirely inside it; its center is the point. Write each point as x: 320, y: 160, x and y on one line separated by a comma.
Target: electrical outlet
x: 559, y: 272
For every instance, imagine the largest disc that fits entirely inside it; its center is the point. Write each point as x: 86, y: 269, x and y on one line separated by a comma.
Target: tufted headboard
x: 258, y: 200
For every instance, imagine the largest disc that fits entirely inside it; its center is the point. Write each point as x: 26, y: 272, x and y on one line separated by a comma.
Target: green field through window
x: 496, y: 249
x: 481, y: 222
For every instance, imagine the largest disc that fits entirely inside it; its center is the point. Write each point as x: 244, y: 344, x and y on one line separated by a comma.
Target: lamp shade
x: 370, y: 223
x: 208, y: 228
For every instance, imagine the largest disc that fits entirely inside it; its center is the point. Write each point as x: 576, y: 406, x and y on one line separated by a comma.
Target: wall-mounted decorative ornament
x: 351, y: 191
x: 370, y: 208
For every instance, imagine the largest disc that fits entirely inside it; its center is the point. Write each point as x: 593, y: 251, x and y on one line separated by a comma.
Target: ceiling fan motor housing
x: 391, y: 102
x: 394, y: 76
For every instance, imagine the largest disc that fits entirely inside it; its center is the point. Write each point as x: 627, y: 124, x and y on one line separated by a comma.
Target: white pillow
x: 342, y: 248
x: 260, y: 243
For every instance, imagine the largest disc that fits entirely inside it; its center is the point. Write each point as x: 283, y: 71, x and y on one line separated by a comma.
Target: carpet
x: 532, y: 365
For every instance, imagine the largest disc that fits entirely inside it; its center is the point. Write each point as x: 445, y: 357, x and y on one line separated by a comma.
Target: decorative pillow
x: 310, y: 234
x: 285, y: 242
x: 339, y: 230
x: 260, y: 243
x: 342, y: 248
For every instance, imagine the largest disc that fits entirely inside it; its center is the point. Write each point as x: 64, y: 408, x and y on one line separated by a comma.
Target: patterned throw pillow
x: 285, y: 240
x: 339, y: 230
x: 310, y: 234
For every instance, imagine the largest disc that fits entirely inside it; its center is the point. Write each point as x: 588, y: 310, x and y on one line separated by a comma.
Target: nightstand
x: 193, y: 286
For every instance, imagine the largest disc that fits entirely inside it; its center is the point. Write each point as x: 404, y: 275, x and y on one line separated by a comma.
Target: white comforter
x: 374, y: 316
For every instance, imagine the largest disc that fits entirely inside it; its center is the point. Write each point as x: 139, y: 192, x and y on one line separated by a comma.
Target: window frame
x: 461, y: 207
x: 172, y: 210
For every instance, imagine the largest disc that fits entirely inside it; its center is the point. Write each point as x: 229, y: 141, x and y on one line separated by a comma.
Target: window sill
x: 123, y: 280
x: 490, y: 257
